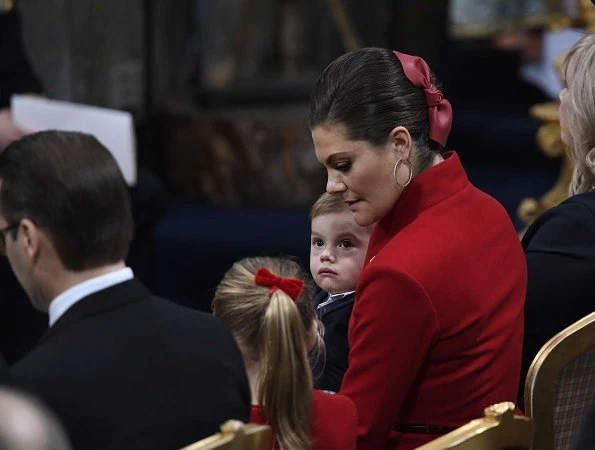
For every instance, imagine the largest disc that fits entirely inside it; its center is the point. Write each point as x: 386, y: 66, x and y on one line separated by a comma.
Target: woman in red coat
x: 266, y: 305
x: 437, y: 326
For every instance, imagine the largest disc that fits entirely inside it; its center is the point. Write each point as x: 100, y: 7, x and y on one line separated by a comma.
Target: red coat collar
x: 426, y: 190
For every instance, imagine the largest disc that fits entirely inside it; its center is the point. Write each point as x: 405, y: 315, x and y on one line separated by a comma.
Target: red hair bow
x: 439, y: 109
x: 291, y: 286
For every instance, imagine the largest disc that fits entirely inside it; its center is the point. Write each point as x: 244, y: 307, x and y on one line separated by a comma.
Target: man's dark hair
x: 69, y: 184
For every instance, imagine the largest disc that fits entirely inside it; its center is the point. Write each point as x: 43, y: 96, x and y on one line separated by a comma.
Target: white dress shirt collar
x: 73, y: 295
x: 332, y: 298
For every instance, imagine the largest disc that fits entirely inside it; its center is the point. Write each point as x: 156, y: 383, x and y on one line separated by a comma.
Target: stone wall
x: 88, y: 51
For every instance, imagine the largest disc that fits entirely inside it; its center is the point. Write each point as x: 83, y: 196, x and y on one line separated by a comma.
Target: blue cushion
x: 197, y: 244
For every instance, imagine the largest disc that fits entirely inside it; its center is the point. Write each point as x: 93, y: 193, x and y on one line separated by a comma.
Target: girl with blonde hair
x: 267, y: 306
x: 560, y: 244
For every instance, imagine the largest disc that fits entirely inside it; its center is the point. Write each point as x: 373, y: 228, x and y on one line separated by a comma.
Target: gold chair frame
x: 545, y: 370
x: 236, y: 435
x: 499, y: 428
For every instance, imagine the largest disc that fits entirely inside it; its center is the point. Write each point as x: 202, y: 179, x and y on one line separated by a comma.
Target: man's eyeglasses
x: 3, y: 232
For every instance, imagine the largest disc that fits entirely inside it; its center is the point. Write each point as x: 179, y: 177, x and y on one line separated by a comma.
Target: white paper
x: 113, y: 128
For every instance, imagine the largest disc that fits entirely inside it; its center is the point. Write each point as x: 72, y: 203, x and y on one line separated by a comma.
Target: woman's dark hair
x: 368, y: 93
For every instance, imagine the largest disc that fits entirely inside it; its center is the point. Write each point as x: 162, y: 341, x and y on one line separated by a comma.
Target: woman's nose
x: 335, y: 186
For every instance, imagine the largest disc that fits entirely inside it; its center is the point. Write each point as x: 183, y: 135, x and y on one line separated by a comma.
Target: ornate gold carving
x: 585, y: 18
x: 587, y: 15
x: 499, y: 409
x: 232, y: 427
x: 6, y: 6
x: 550, y: 141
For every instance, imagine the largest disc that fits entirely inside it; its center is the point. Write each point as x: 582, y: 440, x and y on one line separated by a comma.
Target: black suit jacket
x: 335, y: 318
x: 560, y: 250
x: 126, y: 370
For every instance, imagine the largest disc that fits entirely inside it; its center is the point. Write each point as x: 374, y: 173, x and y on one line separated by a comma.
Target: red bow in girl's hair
x: 291, y: 286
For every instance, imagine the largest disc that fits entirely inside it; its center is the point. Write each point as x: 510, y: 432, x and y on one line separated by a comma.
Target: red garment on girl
x: 334, y: 422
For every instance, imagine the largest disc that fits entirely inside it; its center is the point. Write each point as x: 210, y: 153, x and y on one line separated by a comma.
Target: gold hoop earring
x: 397, y: 164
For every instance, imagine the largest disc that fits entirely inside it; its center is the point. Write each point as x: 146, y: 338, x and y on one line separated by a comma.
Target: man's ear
x: 29, y: 238
x: 401, y: 142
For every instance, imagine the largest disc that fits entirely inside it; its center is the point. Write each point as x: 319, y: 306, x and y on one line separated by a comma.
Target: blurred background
x: 219, y: 92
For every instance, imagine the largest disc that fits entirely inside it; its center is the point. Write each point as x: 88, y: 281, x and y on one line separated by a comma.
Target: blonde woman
x: 267, y: 306
x: 560, y: 244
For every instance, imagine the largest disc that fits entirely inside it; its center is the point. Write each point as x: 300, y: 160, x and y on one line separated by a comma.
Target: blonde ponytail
x: 285, y: 392
x: 272, y: 330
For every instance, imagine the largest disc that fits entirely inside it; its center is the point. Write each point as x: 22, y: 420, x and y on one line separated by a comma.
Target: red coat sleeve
x: 392, y: 328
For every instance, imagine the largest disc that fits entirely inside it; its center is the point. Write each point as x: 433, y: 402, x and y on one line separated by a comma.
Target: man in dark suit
x: 20, y: 325
x: 121, y: 368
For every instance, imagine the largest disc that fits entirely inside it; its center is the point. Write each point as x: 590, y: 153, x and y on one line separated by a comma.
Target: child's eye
x: 317, y: 242
x: 345, y: 243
